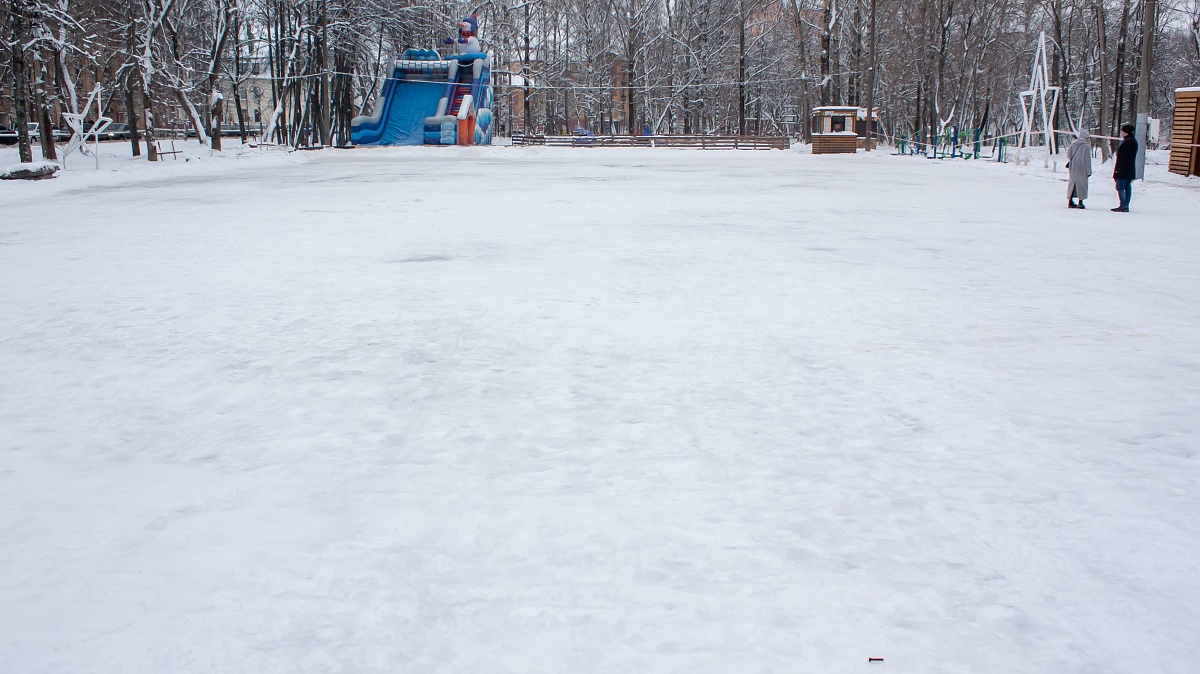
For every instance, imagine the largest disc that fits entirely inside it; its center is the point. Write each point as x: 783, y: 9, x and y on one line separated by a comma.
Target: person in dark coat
x: 1125, y: 169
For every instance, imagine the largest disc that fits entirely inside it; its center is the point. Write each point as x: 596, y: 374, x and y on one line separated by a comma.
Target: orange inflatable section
x: 466, y: 131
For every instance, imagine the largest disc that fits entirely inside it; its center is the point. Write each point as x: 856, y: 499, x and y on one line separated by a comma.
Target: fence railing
x: 702, y: 142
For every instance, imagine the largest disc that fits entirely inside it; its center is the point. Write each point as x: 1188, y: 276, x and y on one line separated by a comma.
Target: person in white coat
x: 1079, y: 162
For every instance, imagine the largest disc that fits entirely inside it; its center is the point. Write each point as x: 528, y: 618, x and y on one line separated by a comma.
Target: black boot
x: 1081, y: 204
x: 1071, y: 204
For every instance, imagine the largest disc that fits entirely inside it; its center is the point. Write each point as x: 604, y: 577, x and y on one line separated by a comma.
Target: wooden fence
x: 703, y: 142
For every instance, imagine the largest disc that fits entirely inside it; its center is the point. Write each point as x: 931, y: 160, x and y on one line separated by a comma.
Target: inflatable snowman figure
x: 467, y: 42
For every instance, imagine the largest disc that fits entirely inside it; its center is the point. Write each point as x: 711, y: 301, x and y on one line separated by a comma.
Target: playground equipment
x: 1034, y: 100
x: 1185, y: 133
x: 80, y: 135
x: 430, y: 100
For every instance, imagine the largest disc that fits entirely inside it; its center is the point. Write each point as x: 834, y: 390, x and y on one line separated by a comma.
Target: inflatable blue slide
x: 429, y: 100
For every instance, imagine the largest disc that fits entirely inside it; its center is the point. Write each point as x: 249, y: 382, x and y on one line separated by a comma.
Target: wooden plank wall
x: 1185, y: 132
x: 834, y: 144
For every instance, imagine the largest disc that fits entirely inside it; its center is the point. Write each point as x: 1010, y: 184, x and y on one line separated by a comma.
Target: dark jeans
x: 1124, y: 192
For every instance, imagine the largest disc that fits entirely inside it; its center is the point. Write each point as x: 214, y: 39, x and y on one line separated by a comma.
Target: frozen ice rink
x: 556, y: 411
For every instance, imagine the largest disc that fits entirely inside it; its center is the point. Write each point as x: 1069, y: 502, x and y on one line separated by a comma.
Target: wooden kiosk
x: 1185, y: 133
x: 840, y: 128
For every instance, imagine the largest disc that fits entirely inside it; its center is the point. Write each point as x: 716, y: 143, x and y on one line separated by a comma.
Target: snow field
x: 556, y: 410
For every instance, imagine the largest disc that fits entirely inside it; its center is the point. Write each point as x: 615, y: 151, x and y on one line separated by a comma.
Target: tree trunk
x: 241, y: 113
x: 17, y: 63
x: 148, y: 111
x: 216, y: 100
x: 854, y: 80
x: 216, y: 113
x: 1059, y: 67
x: 46, y: 136
x: 922, y: 74
x: 837, y: 91
x: 131, y: 119
x: 326, y: 84
x: 630, y: 73
x: 937, y: 121
x: 193, y: 116
x: 213, y: 112
x: 1118, y: 108
x: 917, y: 125
x: 237, y: 79
x: 870, y: 142
x: 1149, y: 23
x: 802, y: 121
x: 527, y: 114
x: 282, y: 85
x: 826, y: 48
x: 741, y: 68
x: 65, y: 83
x: 131, y: 116
x: 1102, y: 66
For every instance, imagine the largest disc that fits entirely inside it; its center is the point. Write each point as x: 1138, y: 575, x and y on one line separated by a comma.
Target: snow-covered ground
x: 630, y: 411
